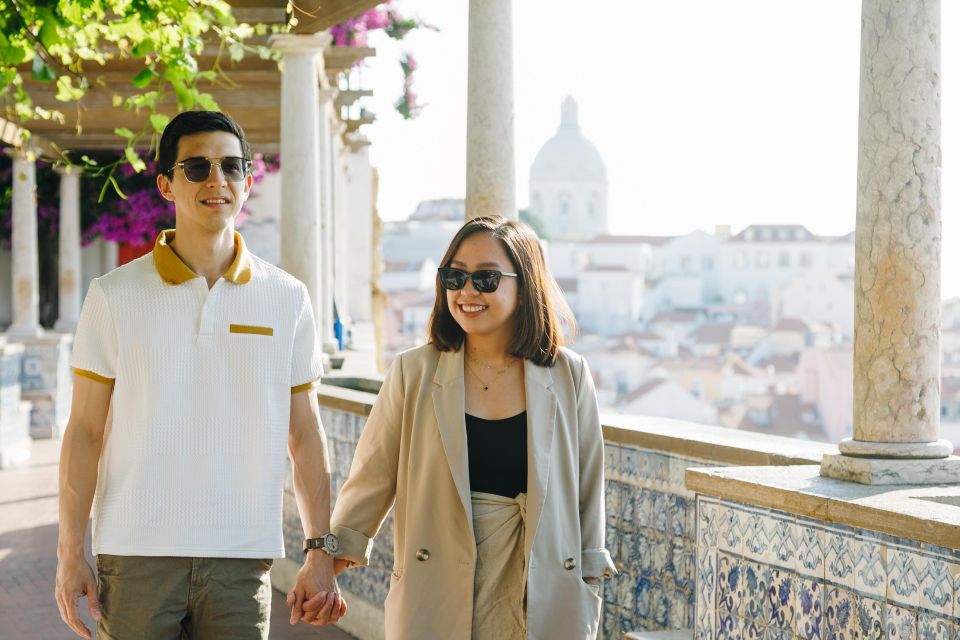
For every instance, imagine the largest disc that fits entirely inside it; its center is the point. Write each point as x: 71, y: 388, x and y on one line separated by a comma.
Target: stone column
x: 300, y: 231
x: 896, y: 431
x: 111, y: 255
x: 328, y: 129
x: 70, y: 273
x: 341, y: 208
x: 490, y: 165
x: 360, y: 221
x: 26, y: 266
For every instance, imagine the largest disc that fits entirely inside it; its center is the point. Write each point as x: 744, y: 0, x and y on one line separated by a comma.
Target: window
x: 763, y: 260
x: 740, y: 260
x: 740, y: 297
x: 686, y: 264
x: 784, y: 260
x: 806, y: 260
x: 706, y: 263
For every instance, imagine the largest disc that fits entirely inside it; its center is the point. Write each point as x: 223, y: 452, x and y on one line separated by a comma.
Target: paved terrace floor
x: 28, y: 542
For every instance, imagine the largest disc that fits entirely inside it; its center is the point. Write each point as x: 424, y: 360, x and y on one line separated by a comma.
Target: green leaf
x: 123, y: 132
x: 49, y: 35
x: 144, y: 78
x: 193, y: 23
x: 13, y: 54
x: 144, y: 47
x: 72, y: 11
x: 42, y: 71
x: 134, y: 159
x: 159, y: 121
x: 207, y: 102
x: 66, y: 92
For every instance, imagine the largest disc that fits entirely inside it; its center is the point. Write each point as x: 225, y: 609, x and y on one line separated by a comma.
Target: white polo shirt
x: 195, y: 449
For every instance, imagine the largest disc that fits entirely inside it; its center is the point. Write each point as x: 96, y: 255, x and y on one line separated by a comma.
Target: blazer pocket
x: 251, y: 329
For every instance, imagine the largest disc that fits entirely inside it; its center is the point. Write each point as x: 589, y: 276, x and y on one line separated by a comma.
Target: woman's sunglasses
x: 485, y: 281
x: 199, y: 169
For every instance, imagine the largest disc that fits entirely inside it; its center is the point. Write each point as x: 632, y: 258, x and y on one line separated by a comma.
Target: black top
x: 497, y: 450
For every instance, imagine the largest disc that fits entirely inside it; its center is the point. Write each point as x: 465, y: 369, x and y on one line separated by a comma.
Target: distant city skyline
x: 705, y: 113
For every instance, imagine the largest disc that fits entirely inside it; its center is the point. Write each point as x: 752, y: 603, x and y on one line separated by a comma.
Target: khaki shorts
x: 164, y: 598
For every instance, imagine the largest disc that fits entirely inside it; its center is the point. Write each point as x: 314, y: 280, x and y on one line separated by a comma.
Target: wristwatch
x: 327, y: 542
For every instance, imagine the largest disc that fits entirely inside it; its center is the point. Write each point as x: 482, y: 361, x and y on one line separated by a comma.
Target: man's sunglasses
x: 199, y: 169
x: 485, y: 281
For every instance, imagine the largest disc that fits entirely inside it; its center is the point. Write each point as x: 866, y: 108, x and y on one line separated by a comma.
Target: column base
x: 884, y: 471
x: 65, y: 326
x: 21, y: 332
x: 896, y: 450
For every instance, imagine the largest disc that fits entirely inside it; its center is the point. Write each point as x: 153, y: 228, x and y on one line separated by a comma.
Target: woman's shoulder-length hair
x: 544, y: 321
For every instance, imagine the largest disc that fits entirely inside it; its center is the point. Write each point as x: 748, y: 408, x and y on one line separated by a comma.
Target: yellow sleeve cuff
x: 304, y: 387
x: 83, y: 373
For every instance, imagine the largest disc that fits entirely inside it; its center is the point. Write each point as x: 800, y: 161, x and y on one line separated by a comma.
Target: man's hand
x: 75, y: 580
x: 315, y: 597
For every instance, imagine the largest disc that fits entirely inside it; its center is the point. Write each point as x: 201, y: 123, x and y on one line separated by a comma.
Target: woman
x: 488, y: 440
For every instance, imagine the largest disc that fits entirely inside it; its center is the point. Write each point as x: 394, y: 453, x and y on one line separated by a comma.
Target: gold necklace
x: 497, y: 373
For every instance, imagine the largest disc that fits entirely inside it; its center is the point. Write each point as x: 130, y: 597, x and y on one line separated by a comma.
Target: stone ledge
x: 686, y: 439
x: 717, y: 444
x: 929, y: 514
x: 342, y: 399
x: 680, y: 634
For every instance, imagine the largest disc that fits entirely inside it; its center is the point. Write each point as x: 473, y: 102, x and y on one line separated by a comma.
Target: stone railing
x: 651, y: 515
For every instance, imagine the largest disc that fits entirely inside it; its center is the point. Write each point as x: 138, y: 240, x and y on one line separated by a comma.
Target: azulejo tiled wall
x: 651, y: 529
x: 764, y: 573
x: 370, y: 583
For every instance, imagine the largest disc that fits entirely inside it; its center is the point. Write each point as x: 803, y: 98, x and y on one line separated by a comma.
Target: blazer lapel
x: 449, y: 403
x: 541, y: 424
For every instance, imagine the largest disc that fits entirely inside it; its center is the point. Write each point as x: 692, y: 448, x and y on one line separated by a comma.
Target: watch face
x: 331, y: 543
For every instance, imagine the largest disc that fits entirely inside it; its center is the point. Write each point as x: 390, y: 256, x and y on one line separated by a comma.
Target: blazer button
x: 423, y: 555
x: 569, y: 564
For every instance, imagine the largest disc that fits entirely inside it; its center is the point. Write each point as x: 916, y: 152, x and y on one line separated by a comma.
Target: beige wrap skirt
x: 499, y: 584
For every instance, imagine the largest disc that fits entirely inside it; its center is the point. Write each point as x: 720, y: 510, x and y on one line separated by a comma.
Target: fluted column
x: 897, y: 283
x: 25, y: 258
x: 490, y: 163
x: 300, y: 231
x: 69, y: 259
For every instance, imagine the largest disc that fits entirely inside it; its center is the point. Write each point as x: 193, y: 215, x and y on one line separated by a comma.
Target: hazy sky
x: 706, y: 112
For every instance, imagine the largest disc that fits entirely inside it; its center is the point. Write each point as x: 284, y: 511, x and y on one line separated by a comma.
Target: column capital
x: 356, y: 141
x: 22, y: 153
x: 293, y: 43
x: 68, y: 169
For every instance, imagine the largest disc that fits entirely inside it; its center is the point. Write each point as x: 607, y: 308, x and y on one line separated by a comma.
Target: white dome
x: 568, y: 155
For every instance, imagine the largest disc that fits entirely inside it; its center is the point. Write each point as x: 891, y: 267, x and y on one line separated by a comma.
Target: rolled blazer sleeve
x: 370, y: 490
x: 595, y: 560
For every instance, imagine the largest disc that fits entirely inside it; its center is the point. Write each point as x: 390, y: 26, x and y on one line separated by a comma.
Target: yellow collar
x: 173, y: 270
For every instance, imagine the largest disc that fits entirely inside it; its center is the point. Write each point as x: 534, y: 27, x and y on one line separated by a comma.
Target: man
x: 193, y: 368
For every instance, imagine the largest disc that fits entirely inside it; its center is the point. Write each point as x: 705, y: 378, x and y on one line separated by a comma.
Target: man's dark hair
x: 189, y: 123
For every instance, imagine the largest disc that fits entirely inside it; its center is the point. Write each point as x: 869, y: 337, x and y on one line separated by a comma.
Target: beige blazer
x: 413, y: 452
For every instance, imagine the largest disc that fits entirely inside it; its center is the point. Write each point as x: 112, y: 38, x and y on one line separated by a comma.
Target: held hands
x: 74, y: 581
x: 315, y: 597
